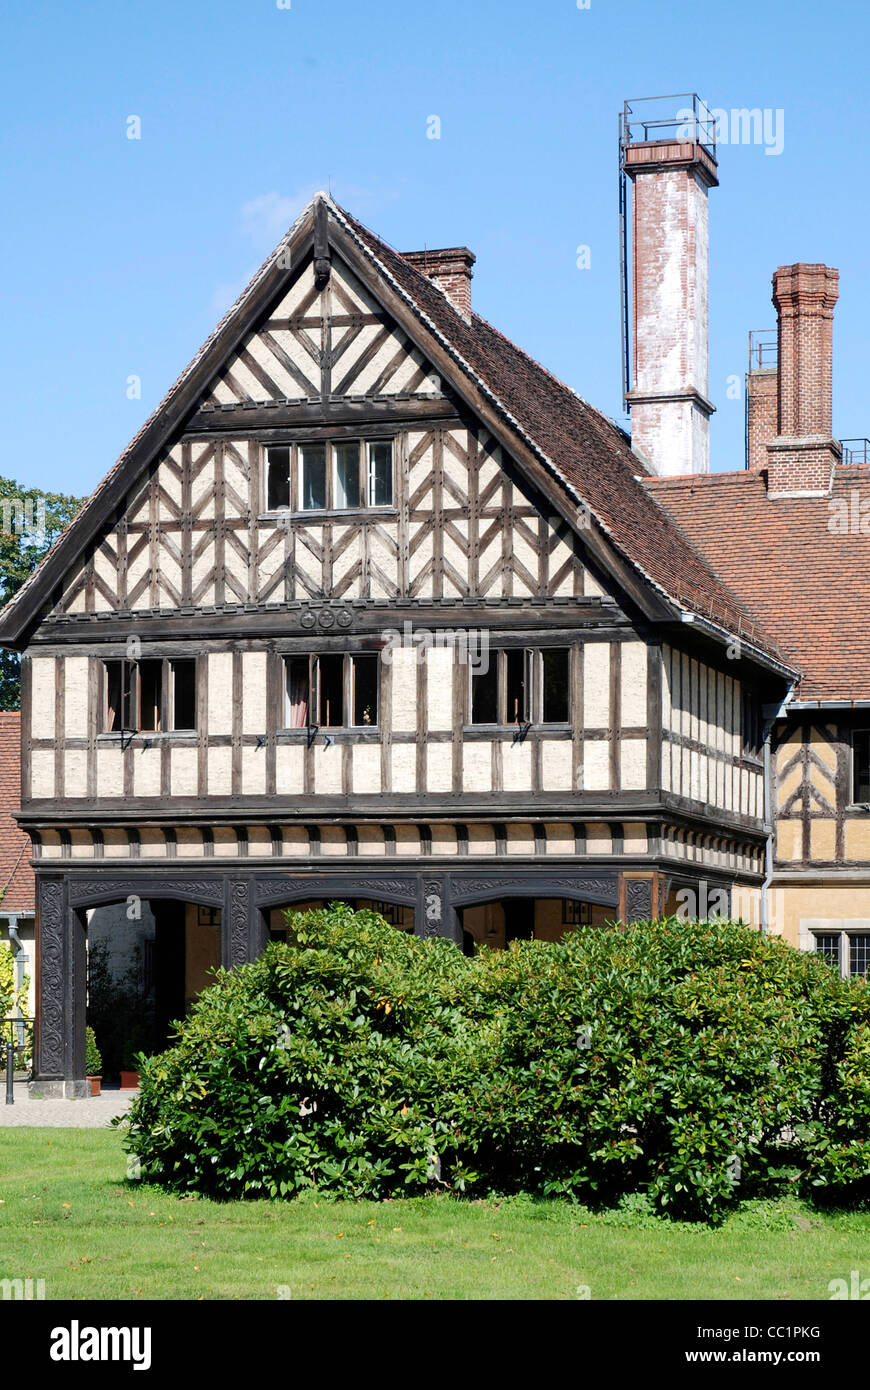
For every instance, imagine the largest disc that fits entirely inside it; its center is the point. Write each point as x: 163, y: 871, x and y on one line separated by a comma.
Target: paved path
x: 95, y: 1112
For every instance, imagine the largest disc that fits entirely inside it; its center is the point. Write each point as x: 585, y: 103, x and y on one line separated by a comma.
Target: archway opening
x: 499, y: 922
x: 398, y: 915
x: 148, y: 960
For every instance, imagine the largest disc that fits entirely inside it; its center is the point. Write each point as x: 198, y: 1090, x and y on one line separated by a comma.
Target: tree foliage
x: 30, y: 522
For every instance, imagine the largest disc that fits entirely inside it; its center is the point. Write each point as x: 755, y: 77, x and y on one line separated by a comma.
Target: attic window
x: 335, y: 475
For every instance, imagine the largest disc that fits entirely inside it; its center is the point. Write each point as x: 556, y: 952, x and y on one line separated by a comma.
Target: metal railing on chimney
x: 763, y: 350
x: 855, y: 450
x: 659, y: 118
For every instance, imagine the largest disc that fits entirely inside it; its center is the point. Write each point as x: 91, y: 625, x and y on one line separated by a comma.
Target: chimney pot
x: 450, y: 269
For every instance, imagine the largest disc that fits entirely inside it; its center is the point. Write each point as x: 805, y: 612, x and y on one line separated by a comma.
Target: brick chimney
x: 670, y: 411
x: 762, y: 397
x: 450, y: 268
x: 802, y: 456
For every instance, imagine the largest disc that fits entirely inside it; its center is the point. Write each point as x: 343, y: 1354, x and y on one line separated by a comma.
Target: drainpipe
x: 767, y: 730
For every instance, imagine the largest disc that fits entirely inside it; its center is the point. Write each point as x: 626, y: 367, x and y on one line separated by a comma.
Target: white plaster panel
x: 110, y: 772
x: 404, y: 767
x: 146, y: 772
x: 76, y: 696
x: 556, y: 765
x: 633, y: 679
x: 42, y: 772
x: 220, y: 693
x: 220, y: 771
x: 366, y: 768
x: 596, y: 765
x: 183, y: 764
x: 439, y: 687
x: 596, y: 685
x: 290, y: 768
x: 254, y: 692
x: 632, y: 775
x: 439, y: 767
x: 477, y: 767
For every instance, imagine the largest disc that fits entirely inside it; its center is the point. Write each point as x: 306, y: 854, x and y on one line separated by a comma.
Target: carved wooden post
x: 243, y: 928
x: 61, y: 993
x: 436, y: 915
x: 637, y: 903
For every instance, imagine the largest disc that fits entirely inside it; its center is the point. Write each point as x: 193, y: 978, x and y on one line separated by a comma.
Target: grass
x: 69, y: 1216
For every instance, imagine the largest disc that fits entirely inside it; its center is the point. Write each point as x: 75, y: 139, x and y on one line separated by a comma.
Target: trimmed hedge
x: 694, y: 1062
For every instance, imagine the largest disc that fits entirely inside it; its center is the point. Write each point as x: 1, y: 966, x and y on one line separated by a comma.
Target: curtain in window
x: 297, y: 696
x: 113, y: 695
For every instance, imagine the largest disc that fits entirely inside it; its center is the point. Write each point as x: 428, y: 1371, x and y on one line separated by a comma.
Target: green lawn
x: 69, y: 1216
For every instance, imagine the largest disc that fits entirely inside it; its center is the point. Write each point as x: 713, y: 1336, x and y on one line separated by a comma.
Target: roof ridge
x: 703, y: 479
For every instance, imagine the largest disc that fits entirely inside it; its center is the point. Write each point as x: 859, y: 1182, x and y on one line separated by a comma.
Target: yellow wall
x: 202, y: 952
x: 835, y: 903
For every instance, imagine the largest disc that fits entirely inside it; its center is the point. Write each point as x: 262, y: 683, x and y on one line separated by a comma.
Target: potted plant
x: 93, y: 1062
x: 135, y: 1041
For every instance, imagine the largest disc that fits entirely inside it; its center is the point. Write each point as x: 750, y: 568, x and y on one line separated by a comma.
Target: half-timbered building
x: 791, y: 535
x: 375, y: 608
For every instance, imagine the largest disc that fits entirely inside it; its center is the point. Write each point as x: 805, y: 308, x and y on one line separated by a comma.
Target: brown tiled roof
x: 809, y: 585
x: 581, y: 446
x: 17, y: 891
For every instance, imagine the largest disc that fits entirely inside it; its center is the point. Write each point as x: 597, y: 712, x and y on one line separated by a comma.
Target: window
x: 847, y: 951
x: 484, y: 693
x: 331, y: 691
x: 859, y: 953
x: 379, y: 458
x: 861, y: 766
x: 118, y: 706
x: 523, y: 686
x: 342, y: 475
x: 278, y: 479
x: 517, y: 683
x: 364, y: 690
x: 150, y: 695
x: 329, y: 688
x: 556, y: 682
x: 312, y: 477
x: 347, y: 475
x: 828, y: 946
x: 576, y: 914
x: 183, y: 680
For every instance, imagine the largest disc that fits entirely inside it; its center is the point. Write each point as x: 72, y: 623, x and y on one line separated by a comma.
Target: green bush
x: 12, y: 1002
x: 7, y: 980
x: 93, y: 1060
x: 693, y: 1063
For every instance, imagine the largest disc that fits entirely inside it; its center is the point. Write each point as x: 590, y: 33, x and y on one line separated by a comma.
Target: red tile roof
x: 17, y: 890
x: 785, y: 557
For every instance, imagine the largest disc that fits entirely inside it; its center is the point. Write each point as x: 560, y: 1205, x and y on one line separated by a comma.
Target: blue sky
x: 119, y: 255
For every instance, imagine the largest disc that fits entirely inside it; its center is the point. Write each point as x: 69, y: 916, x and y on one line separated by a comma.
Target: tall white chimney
x: 671, y: 164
